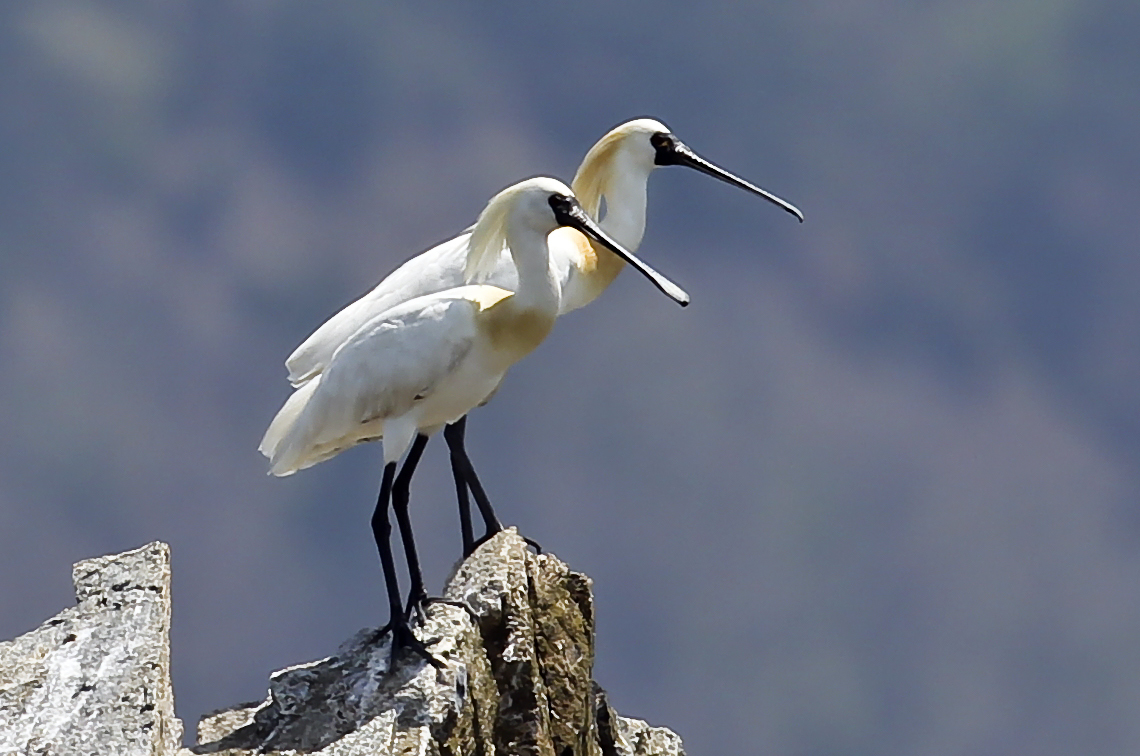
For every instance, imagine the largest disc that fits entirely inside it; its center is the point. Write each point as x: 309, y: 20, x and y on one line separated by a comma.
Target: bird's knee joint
x: 381, y: 525
x: 400, y: 495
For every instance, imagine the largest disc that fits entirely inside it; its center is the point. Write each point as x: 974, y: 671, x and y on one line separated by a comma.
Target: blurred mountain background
x: 877, y: 491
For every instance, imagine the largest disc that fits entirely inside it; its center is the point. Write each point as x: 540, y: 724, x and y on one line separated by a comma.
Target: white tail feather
x: 281, y: 443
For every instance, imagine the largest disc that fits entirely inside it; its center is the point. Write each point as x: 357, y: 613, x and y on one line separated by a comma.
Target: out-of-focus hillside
x: 875, y: 491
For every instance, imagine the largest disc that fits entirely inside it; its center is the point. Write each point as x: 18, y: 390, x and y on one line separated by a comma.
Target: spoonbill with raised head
x: 616, y: 169
x: 423, y: 363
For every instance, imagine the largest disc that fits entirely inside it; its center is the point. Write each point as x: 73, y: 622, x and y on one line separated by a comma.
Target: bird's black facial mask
x: 664, y: 146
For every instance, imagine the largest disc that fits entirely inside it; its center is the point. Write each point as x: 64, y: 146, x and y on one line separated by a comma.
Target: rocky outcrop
x: 517, y: 679
x: 95, y: 678
x: 517, y: 653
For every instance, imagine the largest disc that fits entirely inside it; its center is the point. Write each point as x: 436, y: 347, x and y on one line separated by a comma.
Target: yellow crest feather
x: 488, y: 238
x: 591, y: 179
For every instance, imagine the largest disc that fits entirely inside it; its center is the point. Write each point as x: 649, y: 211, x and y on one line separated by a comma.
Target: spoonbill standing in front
x: 423, y: 363
x: 616, y: 169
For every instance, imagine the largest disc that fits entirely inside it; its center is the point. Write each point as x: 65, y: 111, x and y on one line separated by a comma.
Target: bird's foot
x: 491, y: 534
x: 453, y: 602
x: 403, y: 637
x: 416, y: 609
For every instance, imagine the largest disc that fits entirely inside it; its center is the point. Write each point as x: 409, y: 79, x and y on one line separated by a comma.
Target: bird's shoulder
x: 428, y: 332
x: 399, y: 356
x: 441, y: 265
x: 437, y: 269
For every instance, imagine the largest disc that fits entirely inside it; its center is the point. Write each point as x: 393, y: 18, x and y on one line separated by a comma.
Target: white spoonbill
x: 423, y: 363
x: 616, y: 169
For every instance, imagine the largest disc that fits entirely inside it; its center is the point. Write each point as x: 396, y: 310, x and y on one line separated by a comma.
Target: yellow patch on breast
x: 511, y: 331
x: 587, y: 258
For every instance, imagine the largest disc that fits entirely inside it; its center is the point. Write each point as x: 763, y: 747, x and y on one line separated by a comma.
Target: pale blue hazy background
x: 877, y: 491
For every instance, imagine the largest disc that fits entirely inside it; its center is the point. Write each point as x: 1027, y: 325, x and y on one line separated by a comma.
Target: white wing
x: 381, y: 371
x: 438, y: 269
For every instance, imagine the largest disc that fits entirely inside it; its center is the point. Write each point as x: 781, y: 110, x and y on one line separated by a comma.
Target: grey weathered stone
x: 517, y: 680
x: 95, y: 678
x: 517, y: 676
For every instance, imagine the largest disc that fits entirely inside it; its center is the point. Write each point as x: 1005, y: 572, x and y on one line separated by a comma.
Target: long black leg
x: 402, y: 635
x: 417, y: 596
x: 382, y: 532
x: 400, y: 497
x: 465, y: 528
x: 462, y: 467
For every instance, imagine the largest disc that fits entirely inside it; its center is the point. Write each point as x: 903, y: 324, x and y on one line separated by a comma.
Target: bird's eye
x: 560, y: 203
x: 665, y: 148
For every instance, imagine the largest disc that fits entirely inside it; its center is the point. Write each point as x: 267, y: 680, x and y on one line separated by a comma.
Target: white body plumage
x: 427, y: 361
x: 616, y: 168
